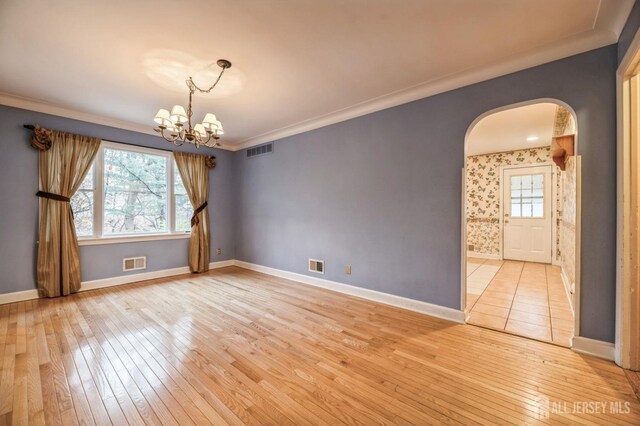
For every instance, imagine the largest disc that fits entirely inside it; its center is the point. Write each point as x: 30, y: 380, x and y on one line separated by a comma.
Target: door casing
x: 627, y: 346
x: 552, y: 207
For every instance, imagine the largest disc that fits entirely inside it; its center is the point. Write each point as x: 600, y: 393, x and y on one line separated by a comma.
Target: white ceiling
x: 297, y: 64
x: 508, y: 130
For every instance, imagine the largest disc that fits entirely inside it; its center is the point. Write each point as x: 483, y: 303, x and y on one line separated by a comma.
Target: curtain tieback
x: 195, y: 219
x: 52, y: 196
x: 55, y: 197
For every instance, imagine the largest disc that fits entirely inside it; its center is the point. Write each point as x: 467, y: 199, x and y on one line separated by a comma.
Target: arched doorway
x: 521, y: 221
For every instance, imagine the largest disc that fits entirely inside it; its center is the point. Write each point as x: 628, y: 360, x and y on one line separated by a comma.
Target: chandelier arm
x: 214, y: 138
x: 170, y: 138
x: 177, y: 138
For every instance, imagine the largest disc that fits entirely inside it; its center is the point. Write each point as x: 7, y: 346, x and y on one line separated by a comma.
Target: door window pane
x: 538, y: 210
x: 538, y: 181
x: 527, y: 195
x: 516, y: 209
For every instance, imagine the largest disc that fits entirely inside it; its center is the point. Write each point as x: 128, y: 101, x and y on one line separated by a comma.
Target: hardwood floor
x: 234, y: 346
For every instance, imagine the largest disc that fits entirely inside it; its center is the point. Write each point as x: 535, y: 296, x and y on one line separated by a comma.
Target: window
x: 135, y: 192
x: 82, y: 204
x: 131, y: 191
x: 527, y: 196
x: 183, y: 207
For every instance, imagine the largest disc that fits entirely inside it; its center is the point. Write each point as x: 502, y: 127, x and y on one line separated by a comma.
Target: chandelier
x: 175, y: 126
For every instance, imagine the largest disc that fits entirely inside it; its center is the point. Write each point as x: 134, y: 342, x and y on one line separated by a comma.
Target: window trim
x: 94, y: 241
x: 98, y: 202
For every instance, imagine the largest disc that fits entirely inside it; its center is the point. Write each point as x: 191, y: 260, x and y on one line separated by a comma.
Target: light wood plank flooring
x: 238, y: 347
x: 523, y: 298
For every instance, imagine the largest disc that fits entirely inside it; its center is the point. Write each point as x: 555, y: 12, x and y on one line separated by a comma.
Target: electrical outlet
x: 218, y: 252
x: 347, y: 269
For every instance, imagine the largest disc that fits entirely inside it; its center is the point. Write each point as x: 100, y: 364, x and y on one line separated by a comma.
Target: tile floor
x: 522, y: 298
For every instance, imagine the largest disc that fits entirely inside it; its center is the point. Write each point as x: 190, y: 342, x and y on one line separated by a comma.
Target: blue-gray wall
x: 19, y: 205
x: 382, y: 192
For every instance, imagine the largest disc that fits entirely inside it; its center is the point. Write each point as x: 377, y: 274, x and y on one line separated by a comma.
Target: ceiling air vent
x: 316, y: 266
x: 267, y: 148
x: 134, y: 263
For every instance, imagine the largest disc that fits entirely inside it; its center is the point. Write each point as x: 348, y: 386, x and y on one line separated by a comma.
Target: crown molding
x: 59, y: 111
x: 53, y: 109
x: 613, y: 15
x: 574, y: 45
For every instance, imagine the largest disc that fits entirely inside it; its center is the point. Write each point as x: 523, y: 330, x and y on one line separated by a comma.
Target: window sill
x: 130, y: 239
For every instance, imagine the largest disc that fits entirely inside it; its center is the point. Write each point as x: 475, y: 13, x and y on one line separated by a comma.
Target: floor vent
x: 316, y: 266
x: 134, y: 263
x: 260, y: 150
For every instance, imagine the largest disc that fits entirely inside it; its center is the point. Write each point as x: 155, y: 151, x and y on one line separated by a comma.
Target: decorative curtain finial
x: 210, y: 162
x: 41, y: 138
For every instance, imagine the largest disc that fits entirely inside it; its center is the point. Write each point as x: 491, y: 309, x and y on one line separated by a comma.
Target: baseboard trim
x: 21, y: 296
x: 376, y: 296
x: 144, y: 276
x: 597, y: 348
x: 18, y: 296
x: 132, y: 278
x: 483, y: 255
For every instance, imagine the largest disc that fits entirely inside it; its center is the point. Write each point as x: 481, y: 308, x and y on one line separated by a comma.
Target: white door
x: 527, y: 213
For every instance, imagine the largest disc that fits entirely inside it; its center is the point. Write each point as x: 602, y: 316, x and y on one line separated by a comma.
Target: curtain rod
x: 32, y: 127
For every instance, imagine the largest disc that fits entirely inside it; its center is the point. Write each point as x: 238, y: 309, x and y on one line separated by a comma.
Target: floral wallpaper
x: 568, y: 223
x: 567, y: 198
x: 483, y: 195
x: 564, y: 124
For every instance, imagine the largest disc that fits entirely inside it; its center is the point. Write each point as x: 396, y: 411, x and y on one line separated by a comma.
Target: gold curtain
x: 194, y: 172
x: 63, y: 166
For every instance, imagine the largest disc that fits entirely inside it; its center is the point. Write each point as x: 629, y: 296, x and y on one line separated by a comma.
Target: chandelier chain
x: 193, y: 86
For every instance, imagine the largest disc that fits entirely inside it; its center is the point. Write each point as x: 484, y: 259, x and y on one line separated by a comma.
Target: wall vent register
x: 134, y: 263
x: 316, y: 266
x: 266, y: 148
